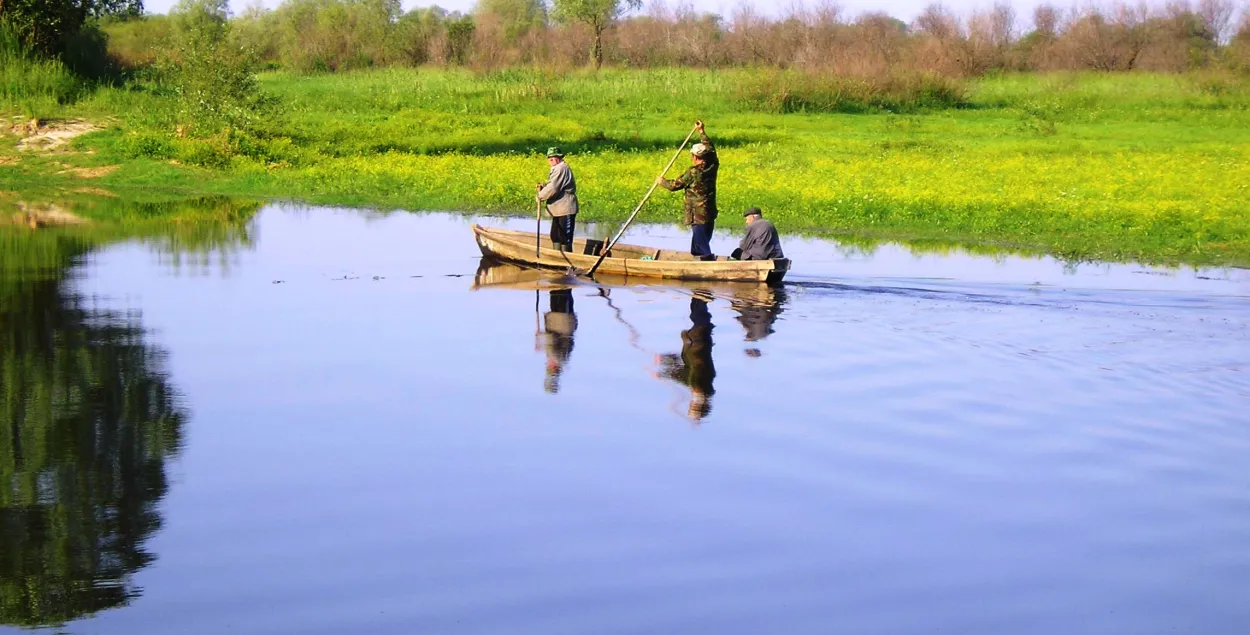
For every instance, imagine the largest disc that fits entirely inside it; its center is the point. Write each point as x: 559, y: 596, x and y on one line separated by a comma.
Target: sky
x: 903, y: 9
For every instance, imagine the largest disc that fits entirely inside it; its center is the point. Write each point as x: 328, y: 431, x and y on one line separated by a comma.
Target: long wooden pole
x: 608, y: 247
x: 538, y: 229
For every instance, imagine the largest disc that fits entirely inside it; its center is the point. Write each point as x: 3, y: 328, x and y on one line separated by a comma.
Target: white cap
x: 698, y: 149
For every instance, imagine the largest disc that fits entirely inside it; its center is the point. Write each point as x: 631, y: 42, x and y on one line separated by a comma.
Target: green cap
x: 555, y: 151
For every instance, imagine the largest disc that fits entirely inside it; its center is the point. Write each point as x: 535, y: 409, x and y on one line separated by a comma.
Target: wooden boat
x: 625, y: 260
x: 496, y: 274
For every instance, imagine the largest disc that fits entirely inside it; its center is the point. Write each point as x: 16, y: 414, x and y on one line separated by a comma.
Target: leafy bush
x: 210, y: 73
x: 279, y: 151
x: 146, y: 145
x: 212, y: 152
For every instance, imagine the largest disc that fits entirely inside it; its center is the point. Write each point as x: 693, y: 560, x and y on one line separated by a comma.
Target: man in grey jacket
x: 761, y: 241
x: 560, y: 194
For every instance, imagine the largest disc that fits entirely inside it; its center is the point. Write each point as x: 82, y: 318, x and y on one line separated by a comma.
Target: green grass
x: 1085, y: 166
x: 32, y: 87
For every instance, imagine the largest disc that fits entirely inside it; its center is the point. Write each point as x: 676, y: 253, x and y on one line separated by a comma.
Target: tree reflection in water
x: 90, y: 421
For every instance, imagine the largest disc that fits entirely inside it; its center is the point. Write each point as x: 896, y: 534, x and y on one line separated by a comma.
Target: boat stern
x: 778, y: 272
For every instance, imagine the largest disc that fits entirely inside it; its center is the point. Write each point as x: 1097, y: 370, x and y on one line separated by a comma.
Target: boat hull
x: 623, y: 260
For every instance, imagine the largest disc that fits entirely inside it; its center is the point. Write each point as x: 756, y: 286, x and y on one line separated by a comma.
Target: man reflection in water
x: 693, y: 367
x: 559, y: 323
x: 758, y: 313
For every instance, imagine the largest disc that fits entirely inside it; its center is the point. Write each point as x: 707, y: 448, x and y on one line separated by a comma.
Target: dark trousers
x: 561, y: 300
x: 562, y: 231
x: 701, y: 238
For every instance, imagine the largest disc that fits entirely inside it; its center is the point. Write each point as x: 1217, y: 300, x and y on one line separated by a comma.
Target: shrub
x: 795, y: 91
x: 211, y: 74
x: 146, y: 145
x: 211, y: 152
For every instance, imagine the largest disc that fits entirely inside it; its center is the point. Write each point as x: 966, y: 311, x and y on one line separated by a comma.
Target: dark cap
x: 555, y: 151
x: 753, y: 211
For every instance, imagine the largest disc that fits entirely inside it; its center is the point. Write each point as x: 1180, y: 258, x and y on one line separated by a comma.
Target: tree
x: 1239, y: 46
x: 598, y: 14
x: 415, y: 31
x: 210, y: 72
x: 46, y: 26
x: 117, y: 8
x: 516, y: 16
x: 459, y: 39
x: 1217, y: 17
x: 1046, y: 22
x: 938, y: 22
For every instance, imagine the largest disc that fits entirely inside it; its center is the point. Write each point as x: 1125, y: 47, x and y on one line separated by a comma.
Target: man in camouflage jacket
x: 699, y: 182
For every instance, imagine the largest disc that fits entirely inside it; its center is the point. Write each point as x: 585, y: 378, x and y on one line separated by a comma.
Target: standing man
x: 699, y: 181
x: 761, y: 241
x: 560, y: 194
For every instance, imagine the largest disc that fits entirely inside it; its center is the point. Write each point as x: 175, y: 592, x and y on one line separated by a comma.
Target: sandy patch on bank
x: 43, y: 215
x: 38, y: 136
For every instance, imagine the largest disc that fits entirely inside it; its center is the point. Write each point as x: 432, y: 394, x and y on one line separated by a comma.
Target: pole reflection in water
x: 559, y: 324
x: 90, y: 420
x: 693, y: 367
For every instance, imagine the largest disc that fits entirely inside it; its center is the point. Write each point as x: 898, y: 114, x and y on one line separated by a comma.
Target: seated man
x: 761, y: 241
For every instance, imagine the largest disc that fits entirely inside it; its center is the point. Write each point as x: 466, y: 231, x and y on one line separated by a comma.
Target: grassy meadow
x: 1149, y: 167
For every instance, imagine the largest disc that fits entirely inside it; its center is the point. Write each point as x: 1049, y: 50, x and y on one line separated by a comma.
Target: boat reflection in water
x: 757, y: 305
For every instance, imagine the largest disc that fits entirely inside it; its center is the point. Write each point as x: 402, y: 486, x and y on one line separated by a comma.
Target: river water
x: 337, y: 422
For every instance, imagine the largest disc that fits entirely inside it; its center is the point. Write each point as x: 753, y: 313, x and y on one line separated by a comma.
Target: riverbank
x: 1152, y: 168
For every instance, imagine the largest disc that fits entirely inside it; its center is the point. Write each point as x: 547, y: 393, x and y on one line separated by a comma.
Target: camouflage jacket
x: 699, y: 181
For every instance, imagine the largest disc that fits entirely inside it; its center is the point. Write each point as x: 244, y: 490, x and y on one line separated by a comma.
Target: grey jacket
x: 761, y: 242
x: 560, y: 191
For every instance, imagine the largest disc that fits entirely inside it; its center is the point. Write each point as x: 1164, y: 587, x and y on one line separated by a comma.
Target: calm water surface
x: 348, y: 423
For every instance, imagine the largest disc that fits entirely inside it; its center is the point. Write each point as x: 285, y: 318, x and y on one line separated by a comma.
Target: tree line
x: 333, y: 35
